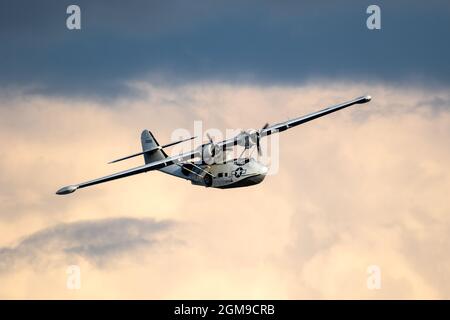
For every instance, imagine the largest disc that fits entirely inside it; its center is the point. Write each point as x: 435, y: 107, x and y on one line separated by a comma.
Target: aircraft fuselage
x: 234, y: 173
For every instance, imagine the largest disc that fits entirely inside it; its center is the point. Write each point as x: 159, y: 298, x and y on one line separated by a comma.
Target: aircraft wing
x: 297, y: 121
x: 122, y: 174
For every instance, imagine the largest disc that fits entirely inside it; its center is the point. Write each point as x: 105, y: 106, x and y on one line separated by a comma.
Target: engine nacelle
x: 248, y: 138
x: 212, y: 153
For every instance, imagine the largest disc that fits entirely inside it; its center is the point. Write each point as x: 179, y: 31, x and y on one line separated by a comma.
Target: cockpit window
x: 241, y: 161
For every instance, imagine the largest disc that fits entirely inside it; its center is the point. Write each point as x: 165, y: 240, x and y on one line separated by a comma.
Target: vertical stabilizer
x: 149, y: 142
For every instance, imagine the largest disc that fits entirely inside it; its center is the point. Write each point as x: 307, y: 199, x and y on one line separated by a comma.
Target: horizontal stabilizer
x: 152, y: 150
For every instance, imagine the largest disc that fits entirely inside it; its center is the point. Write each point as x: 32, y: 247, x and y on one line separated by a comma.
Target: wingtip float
x: 67, y: 190
x: 365, y: 98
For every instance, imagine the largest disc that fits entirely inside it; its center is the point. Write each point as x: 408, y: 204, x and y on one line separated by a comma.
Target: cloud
x: 98, y: 241
x: 242, y: 42
x: 367, y: 185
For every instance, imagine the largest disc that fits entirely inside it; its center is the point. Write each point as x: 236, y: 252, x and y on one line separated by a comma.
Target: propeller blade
x: 209, y: 137
x: 258, y: 137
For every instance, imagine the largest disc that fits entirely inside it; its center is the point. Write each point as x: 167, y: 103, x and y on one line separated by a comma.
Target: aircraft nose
x: 263, y: 170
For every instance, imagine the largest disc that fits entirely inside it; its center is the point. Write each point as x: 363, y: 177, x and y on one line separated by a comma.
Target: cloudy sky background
x: 365, y: 186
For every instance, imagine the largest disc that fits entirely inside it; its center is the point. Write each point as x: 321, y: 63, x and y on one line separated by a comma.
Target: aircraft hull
x: 246, y: 182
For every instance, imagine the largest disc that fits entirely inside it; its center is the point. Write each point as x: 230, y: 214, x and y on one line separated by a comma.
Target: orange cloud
x: 367, y: 185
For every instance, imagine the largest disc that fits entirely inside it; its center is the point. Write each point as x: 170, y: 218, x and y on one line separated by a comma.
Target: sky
x: 361, y: 187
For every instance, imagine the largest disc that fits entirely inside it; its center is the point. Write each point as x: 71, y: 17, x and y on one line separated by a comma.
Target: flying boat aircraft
x: 207, y: 164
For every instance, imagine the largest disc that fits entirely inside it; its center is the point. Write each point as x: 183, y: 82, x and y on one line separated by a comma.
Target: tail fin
x: 149, y: 142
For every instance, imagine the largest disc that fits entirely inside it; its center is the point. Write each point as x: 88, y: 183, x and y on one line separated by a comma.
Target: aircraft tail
x: 149, y: 142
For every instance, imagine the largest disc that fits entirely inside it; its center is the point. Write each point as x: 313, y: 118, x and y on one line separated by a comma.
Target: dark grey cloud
x: 98, y: 241
x: 250, y: 41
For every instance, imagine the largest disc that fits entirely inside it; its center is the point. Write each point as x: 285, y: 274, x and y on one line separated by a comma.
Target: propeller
x: 213, y: 145
x: 213, y: 152
x: 249, y: 138
x: 258, y: 137
x: 209, y: 138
